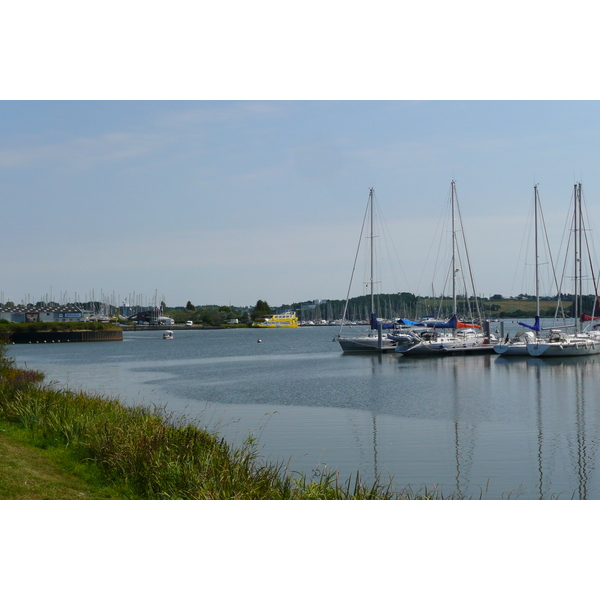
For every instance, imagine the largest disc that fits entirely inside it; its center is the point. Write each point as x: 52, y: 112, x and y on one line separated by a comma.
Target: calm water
x: 528, y: 428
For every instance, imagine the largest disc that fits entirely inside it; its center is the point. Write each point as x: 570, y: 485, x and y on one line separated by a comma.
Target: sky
x: 238, y: 192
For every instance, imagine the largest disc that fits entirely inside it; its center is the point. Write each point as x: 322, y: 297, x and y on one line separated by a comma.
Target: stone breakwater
x: 54, y: 337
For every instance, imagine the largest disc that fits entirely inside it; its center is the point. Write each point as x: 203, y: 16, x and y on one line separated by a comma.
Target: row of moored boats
x: 453, y: 336
x: 420, y: 340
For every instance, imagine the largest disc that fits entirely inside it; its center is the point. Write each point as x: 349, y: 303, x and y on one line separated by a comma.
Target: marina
x: 474, y: 426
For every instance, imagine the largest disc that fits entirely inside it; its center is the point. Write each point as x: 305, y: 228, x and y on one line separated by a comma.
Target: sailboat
x: 455, y: 336
x: 580, y: 343
x: 375, y: 341
x: 517, y: 346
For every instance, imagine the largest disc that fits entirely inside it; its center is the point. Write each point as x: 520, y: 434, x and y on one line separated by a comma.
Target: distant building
x: 44, y: 314
x: 152, y: 317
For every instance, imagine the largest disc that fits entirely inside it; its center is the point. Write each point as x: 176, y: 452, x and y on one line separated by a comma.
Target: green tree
x: 190, y: 306
x: 210, y: 316
x: 260, y: 310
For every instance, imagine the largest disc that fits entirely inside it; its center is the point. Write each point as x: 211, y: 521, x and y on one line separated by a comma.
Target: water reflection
x: 540, y: 436
x: 574, y: 363
x: 464, y: 434
x: 475, y: 393
x: 566, y: 380
x: 375, y: 471
x: 581, y: 454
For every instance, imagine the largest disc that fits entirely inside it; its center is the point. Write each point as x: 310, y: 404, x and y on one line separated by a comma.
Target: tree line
x: 387, y: 306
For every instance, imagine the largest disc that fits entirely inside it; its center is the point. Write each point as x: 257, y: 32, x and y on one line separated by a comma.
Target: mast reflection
x: 540, y: 437
x: 566, y: 378
x: 464, y: 437
x: 580, y: 429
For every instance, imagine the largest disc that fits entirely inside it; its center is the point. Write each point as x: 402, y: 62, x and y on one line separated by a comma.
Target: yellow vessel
x: 286, y: 319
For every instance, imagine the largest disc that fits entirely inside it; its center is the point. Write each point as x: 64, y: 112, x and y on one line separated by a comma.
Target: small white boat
x: 168, y: 335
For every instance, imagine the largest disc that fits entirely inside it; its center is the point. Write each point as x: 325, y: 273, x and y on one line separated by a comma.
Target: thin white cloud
x: 81, y: 152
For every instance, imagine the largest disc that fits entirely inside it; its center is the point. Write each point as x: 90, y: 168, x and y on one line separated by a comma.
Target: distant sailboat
x: 375, y: 341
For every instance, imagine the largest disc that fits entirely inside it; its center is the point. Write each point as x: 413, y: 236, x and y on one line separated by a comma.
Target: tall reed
x: 155, y: 455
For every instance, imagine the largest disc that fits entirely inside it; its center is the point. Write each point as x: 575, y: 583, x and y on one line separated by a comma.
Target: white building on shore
x: 45, y: 314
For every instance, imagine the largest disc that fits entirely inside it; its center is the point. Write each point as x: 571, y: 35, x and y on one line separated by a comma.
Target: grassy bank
x: 77, y: 445
x: 31, y: 473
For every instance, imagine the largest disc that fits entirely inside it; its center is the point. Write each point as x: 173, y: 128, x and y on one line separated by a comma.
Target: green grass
x: 524, y: 308
x: 67, y: 444
x: 31, y: 473
x: 506, y: 308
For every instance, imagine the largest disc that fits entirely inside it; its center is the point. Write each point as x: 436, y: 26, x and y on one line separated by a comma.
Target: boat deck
x: 472, y: 350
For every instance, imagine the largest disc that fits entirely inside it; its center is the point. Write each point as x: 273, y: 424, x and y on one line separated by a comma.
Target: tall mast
x: 581, y: 234
x: 537, y: 261
x: 580, y: 227
x: 576, y: 251
x: 453, y: 251
x: 372, y: 296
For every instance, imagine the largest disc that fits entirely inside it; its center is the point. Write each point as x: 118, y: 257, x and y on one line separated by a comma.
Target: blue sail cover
x: 535, y: 326
x: 375, y: 323
x: 450, y: 324
x: 454, y: 323
x: 407, y: 322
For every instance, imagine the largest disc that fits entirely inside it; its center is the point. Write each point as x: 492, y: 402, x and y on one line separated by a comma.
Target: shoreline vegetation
x: 321, y: 312
x: 402, y: 304
x: 64, y: 444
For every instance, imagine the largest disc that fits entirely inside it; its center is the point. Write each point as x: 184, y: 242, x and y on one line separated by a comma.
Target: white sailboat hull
x: 366, y: 344
x: 572, y: 347
x: 511, y: 349
x: 443, y: 345
x: 517, y: 346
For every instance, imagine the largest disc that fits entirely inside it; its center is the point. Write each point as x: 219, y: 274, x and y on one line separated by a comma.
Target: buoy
x: 259, y: 341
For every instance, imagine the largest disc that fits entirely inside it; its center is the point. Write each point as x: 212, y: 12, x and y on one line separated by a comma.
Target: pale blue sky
x: 231, y: 201
x: 254, y: 186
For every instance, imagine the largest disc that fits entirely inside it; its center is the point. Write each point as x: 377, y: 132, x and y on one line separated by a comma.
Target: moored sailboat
x: 517, y: 346
x: 580, y: 343
x: 453, y: 335
x: 374, y: 341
